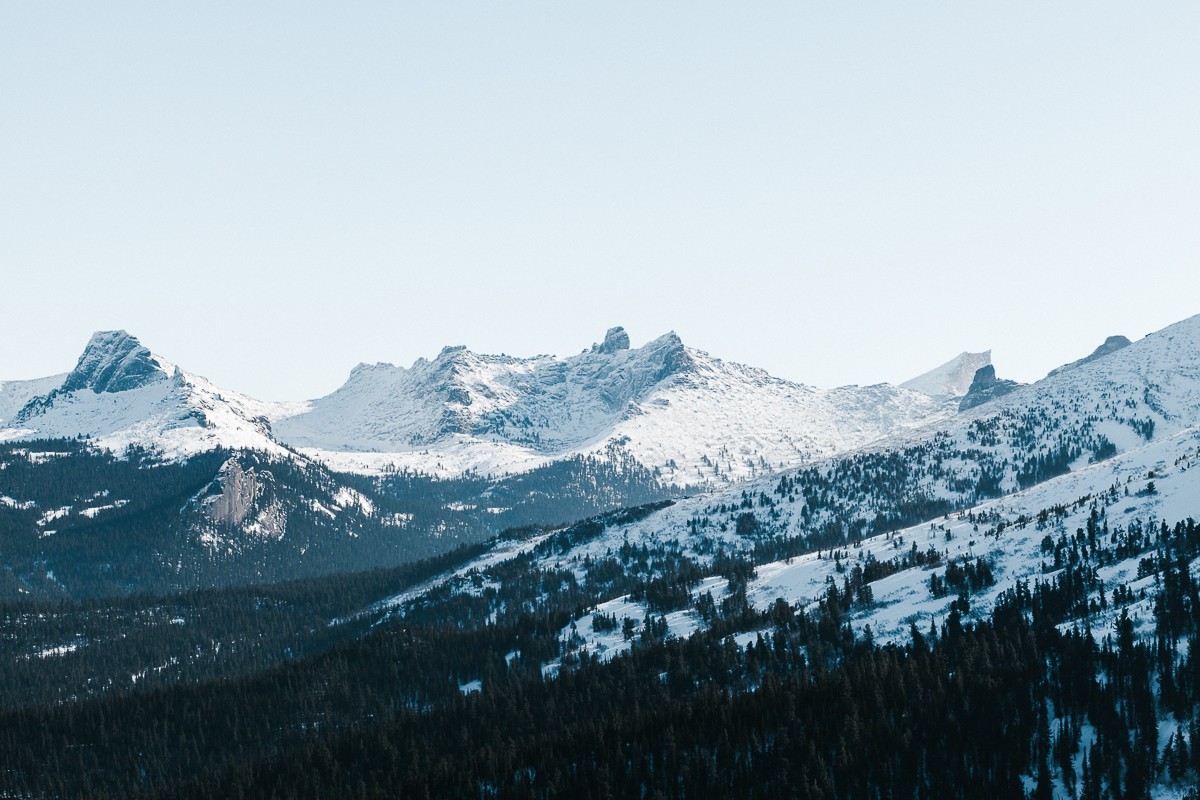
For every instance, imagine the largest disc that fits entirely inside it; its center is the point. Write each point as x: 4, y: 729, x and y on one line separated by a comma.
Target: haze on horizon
x: 268, y: 195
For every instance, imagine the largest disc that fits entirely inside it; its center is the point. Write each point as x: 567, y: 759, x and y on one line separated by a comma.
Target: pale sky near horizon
x: 269, y: 193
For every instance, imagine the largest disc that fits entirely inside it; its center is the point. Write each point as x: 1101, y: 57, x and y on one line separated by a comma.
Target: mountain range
x: 693, y: 418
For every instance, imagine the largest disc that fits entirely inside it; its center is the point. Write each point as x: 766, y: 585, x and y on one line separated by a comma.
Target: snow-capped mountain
x: 695, y: 418
x: 121, y: 394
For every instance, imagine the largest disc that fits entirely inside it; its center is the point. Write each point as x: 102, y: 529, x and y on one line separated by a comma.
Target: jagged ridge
x: 696, y: 418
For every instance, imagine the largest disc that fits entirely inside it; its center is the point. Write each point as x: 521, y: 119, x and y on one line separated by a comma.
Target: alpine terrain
x: 627, y: 572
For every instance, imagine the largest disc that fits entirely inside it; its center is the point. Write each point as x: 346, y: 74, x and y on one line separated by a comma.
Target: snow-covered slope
x: 1127, y: 430
x: 120, y: 393
x: 15, y: 394
x: 696, y: 418
x: 1158, y: 375
x: 1008, y: 533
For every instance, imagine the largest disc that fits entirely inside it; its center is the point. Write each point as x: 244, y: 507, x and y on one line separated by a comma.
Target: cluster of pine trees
x: 137, y: 523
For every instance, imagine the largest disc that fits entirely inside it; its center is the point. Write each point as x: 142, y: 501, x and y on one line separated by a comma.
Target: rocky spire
x: 616, y: 339
x: 114, y: 361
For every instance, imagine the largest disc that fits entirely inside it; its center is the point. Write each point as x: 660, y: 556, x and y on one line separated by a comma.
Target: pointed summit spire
x: 614, y: 340
x: 114, y: 361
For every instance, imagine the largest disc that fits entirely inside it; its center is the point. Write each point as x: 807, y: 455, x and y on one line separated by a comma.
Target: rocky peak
x: 1111, y: 344
x: 363, y: 369
x: 615, y: 339
x: 669, y: 354
x: 114, y: 361
x: 985, y: 387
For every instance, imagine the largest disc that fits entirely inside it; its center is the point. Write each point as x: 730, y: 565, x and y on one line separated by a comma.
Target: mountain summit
x: 120, y: 393
x: 114, y: 361
x: 985, y: 387
x: 616, y: 339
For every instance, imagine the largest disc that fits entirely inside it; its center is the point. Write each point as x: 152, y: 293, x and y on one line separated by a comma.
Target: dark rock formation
x: 985, y: 387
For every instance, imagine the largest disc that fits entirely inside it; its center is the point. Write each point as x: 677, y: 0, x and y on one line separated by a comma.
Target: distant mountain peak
x: 115, y: 361
x: 952, y: 379
x: 120, y: 393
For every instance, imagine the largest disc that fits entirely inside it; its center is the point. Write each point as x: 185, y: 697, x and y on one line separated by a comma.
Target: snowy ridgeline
x: 694, y: 419
x: 697, y: 419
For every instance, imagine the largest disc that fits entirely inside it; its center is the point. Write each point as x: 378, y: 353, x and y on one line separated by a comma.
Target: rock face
x: 239, y: 490
x: 616, y: 339
x: 986, y: 386
x: 1111, y: 345
x: 244, y: 502
x: 114, y: 361
x: 15, y: 395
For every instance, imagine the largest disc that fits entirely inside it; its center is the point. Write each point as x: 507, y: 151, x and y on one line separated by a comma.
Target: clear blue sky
x: 837, y: 192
